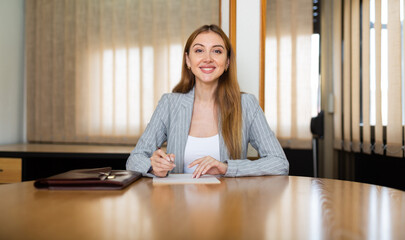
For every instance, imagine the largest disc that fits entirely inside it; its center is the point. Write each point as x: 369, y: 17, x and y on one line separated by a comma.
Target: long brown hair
x: 227, y: 95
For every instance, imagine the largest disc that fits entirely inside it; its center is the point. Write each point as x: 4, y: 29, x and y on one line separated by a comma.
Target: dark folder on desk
x: 89, y: 179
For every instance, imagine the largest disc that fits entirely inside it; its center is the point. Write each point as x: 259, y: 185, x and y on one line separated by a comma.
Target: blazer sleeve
x: 272, y: 159
x: 152, y: 138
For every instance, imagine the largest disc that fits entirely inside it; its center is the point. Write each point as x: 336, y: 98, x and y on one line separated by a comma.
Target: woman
x: 207, y: 122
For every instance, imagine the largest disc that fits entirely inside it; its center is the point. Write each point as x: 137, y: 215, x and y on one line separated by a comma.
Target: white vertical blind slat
x: 347, y: 76
x: 366, y: 77
x: 337, y: 72
x: 355, y: 75
x: 378, y: 148
x: 394, y: 118
x: 303, y: 70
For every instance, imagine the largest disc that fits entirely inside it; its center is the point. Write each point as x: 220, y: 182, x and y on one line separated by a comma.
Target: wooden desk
x: 278, y: 207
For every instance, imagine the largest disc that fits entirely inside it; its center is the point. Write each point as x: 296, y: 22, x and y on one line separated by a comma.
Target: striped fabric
x: 171, y: 122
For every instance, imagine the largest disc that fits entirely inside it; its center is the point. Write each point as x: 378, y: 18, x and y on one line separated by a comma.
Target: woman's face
x: 207, y: 57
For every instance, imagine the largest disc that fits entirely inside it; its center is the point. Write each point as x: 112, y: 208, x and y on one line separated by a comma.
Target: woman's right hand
x: 161, y: 163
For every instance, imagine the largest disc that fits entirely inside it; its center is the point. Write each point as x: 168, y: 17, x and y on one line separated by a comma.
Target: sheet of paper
x: 186, y: 179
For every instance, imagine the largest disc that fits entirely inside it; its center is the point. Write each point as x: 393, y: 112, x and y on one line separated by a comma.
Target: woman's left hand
x: 208, y: 165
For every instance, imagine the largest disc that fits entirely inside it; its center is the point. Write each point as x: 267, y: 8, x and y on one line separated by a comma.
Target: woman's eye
x: 198, y: 50
x: 218, y: 51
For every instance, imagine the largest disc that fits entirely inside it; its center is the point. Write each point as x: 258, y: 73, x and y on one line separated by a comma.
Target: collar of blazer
x: 188, y: 99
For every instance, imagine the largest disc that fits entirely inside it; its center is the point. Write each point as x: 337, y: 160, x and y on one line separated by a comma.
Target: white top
x: 200, y: 147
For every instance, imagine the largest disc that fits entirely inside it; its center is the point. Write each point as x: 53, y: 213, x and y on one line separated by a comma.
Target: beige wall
x: 11, y: 71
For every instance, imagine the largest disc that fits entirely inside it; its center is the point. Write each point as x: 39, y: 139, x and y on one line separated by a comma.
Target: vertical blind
x: 369, y: 80
x: 96, y: 68
x: 288, y: 83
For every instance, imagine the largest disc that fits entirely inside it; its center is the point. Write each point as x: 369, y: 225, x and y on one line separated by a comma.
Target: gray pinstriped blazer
x: 171, y: 122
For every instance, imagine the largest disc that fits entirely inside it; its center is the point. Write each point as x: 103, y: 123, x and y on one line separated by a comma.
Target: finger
x: 206, y: 169
x: 158, y: 153
x: 210, y: 165
x: 198, y: 171
x: 162, y: 163
x: 202, y: 162
x: 195, y: 162
x: 192, y: 164
x: 161, y: 169
x: 172, y: 157
x: 170, y: 162
x: 163, y: 155
x: 206, y: 166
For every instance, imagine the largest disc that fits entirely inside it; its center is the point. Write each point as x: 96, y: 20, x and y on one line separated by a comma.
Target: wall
x: 11, y: 71
x: 248, y: 45
x: 247, y: 42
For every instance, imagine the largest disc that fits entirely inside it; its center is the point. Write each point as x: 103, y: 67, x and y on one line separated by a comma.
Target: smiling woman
x: 207, y: 122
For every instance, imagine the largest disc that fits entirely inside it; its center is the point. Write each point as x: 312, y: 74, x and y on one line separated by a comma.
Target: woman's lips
x: 207, y: 69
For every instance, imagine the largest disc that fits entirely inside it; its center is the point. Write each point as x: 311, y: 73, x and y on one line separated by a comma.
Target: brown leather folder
x: 89, y: 179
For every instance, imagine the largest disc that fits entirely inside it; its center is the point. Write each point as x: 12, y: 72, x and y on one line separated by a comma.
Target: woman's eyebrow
x: 199, y: 44
x: 219, y: 46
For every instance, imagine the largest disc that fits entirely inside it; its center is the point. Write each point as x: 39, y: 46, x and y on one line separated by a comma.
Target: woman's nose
x: 208, y: 57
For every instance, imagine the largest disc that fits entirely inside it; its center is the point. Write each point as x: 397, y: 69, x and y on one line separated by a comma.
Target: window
x: 373, y: 69
x: 96, y: 69
x: 292, y: 85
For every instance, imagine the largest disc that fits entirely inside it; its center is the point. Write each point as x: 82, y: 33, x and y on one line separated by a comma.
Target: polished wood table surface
x: 272, y: 207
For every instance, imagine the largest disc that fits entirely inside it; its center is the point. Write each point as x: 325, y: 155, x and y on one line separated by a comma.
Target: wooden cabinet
x: 10, y: 170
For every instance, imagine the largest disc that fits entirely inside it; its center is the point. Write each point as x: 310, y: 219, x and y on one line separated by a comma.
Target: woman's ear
x: 188, y: 61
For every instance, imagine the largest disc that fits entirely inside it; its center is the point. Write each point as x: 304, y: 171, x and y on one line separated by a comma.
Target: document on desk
x: 186, y: 179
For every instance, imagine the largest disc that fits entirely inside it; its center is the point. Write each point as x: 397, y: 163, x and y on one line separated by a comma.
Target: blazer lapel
x: 186, y: 112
